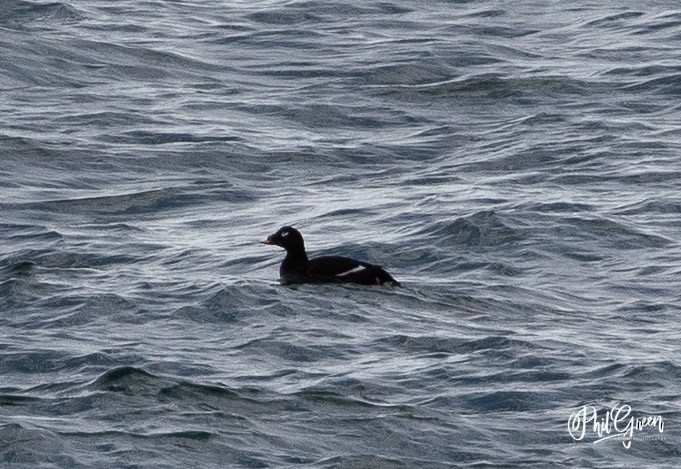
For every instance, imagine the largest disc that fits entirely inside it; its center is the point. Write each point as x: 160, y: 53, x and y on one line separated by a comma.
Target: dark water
x: 516, y: 165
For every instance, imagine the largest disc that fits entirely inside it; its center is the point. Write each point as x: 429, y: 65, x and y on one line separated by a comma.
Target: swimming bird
x: 297, y: 268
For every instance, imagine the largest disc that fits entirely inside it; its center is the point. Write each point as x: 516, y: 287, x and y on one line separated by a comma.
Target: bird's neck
x: 295, y: 259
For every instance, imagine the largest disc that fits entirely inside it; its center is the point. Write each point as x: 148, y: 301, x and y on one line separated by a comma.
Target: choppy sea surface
x: 516, y: 165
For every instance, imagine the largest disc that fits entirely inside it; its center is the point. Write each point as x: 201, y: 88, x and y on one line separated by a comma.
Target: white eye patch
x: 285, y: 234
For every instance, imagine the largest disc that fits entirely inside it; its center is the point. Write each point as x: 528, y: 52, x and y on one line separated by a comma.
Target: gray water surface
x: 516, y: 165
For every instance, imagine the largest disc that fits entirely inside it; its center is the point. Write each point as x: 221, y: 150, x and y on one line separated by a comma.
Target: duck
x: 298, y: 268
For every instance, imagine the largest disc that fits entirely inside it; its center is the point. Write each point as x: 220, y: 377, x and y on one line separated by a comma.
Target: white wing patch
x: 357, y: 269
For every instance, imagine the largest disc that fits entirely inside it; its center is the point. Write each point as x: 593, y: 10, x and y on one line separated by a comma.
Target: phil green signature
x: 618, y: 423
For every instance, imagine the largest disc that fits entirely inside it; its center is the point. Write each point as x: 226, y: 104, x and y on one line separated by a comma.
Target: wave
x: 16, y: 13
x: 497, y: 88
x: 351, y: 461
x: 484, y: 228
x: 23, y: 446
x: 612, y: 232
x: 452, y: 345
x: 129, y: 203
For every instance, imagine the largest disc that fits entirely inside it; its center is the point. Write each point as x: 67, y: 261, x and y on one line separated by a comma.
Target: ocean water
x: 516, y: 165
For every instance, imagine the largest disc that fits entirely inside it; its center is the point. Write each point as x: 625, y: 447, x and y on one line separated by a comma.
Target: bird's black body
x: 297, y: 268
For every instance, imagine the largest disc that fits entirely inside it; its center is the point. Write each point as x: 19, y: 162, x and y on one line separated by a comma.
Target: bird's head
x: 287, y: 237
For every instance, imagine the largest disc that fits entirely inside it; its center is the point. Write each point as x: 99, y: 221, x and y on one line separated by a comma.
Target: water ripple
x: 514, y: 165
